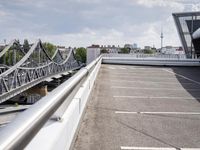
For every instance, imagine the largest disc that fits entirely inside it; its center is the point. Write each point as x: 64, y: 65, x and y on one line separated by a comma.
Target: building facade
x: 172, y: 50
x: 92, y: 53
x: 111, y: 49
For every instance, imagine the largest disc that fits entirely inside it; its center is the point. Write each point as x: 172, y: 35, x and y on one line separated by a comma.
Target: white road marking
x: 169, y: 113
x: 168, y: 89
x: 111, y: 68
x: 146, y: 148
x: 146, y: 68
x: 143, y: 77
x: 182, y: 76
x: 122, y: 68
x: 137, y: 69
x: 134, y: 73
x: 159, y: 97
x: 155, y: 148
x: 161, y: 82
x: 144, y: 71
x: 190, y: 148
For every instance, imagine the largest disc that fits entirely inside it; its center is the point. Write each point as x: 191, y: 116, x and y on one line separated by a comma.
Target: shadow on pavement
x: 192, y: 73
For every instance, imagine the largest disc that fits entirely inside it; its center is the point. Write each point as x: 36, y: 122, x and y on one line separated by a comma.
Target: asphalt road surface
x: 142, y: 108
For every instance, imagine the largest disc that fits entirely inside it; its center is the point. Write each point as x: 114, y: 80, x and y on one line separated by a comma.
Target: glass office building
x: 187, y: 23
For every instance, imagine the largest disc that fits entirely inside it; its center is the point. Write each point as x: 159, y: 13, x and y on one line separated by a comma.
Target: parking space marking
x: 143, y: 71
x: 146, y: 148
x: 168, y: 113
x: 143, y: 77
x: 122, y: 68
x: 182, y: 76
x: 141, y: 67
x: 147, y: 74
x: 111, y: 67
x: 160, y: 82
x: 190, y: 148
x: 156, y: 97
x: 155, y: 148
x: 167, y: 89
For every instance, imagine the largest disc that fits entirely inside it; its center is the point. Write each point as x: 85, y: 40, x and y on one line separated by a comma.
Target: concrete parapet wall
x: 58, y: 134
x: 151, y: 61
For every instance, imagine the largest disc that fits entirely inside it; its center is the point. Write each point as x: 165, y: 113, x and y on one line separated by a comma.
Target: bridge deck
x: 132, y: 107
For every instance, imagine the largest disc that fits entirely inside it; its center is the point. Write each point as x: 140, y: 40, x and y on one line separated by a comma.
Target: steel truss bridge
x: 20, y: 70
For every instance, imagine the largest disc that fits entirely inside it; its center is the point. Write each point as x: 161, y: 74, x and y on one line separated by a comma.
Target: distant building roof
x: 60, y: 46
x: 94, y: 46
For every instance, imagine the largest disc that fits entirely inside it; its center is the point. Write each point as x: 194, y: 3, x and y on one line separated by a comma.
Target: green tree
x: 50, y: 48
x: 148, y: 51
x: 81, y: 54
x: 26, y: 45
x: 12, y: 55
x: 124, y: 50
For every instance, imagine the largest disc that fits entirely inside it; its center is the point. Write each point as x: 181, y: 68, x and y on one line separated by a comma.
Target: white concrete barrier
x: 151, y: 61
x: 58, y: 134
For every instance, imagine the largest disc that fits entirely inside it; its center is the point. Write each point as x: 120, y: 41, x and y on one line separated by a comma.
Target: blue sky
x: 85, y: 22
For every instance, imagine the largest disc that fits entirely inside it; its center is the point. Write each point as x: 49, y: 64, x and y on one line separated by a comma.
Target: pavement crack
x: 147, y: 134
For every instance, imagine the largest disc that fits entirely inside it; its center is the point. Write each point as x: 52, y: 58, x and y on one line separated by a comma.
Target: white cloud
x: 85, y: 1
x: 161, y: 3
x: 87, y: 37
x: 178, y: 5
x: 86, y: 22
x: 2, y: 13
x: 143, y: 34
x: 192, y: 7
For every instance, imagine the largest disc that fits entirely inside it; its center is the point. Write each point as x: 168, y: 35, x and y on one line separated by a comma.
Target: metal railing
x: 160, y: 56
x: 21, y: 131
x: 32, y: 68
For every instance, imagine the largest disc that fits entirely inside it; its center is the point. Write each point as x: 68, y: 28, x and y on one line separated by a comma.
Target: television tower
x: 161, y: 38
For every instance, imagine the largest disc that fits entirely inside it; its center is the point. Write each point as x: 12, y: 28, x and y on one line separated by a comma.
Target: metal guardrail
x: 20, y: 132
x: 149, y: 59
x: 160, y: 56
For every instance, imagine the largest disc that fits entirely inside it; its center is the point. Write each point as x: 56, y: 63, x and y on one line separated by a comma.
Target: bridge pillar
x: 41, y: 90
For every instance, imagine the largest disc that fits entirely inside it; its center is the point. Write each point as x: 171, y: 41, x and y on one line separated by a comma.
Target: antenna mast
x: 161, y: 38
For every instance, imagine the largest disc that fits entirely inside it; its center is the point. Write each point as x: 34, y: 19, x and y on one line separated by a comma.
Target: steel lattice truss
x: 20, y: 71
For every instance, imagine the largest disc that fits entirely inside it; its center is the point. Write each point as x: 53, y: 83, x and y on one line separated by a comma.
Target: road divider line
x: 169, y: 113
